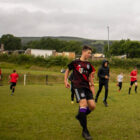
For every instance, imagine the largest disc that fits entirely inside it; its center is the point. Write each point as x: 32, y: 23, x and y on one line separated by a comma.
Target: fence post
x: 46, y: 79
x: 24, y: 79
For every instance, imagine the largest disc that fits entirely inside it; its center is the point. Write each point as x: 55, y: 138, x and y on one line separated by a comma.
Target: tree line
x: 15, y: 43
x: 123, y: 47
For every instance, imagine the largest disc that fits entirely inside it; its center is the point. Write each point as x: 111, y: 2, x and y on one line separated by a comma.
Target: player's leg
x: 82, y: 117
x: 136, y: 86
x: 13, y: 89
x: 72, y: 94
x: 82, y: 112
x: 99, y: 91
x: 90, y: 102
x: 11, y: 86
x: 91, y: 106
x: 106, y: 94
x: 120, y: 85
x: 131, y: 84
x: 80, y: 94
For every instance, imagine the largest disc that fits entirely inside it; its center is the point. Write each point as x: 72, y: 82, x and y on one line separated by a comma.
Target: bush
x: 61, y: 61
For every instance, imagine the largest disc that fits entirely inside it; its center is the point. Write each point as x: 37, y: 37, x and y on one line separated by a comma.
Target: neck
x: 82, y: 58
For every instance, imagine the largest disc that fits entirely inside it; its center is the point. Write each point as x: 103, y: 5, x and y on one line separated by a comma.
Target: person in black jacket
x: 103, y: 75
x: 72, y: 89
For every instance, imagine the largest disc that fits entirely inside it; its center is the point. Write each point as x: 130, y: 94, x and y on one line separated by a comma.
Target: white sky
x: 79, y: 18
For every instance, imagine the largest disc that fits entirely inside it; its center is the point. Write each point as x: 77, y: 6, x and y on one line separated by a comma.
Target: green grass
x: 39, y: 112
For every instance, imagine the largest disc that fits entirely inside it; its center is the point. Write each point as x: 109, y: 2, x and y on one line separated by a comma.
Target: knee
x: 83, y: 103
x: 92, y: 107
x: 106, y: 91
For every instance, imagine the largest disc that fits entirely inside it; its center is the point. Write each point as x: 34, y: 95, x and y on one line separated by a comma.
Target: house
x: 98, y: 56
x: 38, y: 52
x: 18, y: 52
x: 1, y: 48
x: 121, y: 56
x: 66, y: 54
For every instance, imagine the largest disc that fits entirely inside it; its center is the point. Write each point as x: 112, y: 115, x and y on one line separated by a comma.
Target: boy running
x: 120, y: 80
x: 82, y: 76
x: 133, y: 76
x: 13, y: 80
x: 103, y: 75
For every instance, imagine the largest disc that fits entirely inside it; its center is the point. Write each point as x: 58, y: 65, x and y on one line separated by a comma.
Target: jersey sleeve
x: 71, y: 65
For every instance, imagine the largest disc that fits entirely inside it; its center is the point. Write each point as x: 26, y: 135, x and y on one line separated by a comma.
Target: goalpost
x: 27, y: 77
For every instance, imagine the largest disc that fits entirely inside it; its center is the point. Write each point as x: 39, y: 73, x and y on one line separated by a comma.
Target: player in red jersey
x: 83, y: 86
x: 13, y: 80
x: 133, y: 76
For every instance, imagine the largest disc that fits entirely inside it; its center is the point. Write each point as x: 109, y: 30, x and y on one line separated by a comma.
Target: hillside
x: 98, y: 44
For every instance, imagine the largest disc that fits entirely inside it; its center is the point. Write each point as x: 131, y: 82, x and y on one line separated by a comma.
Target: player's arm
x: 91, y: 83
x: 67, y: 85
x: 17, y: 77
x: 131, y: 75
x: 9, y: 78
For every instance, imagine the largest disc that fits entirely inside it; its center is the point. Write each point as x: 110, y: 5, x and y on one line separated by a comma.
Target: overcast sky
x: 79, y: 18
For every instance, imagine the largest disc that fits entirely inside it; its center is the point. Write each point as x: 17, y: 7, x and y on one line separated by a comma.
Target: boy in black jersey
x: 83, y: 85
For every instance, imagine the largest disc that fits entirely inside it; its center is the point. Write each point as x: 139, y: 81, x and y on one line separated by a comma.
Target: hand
x: 67, y: 85
x: 92, y: 89
x: 106, y: 77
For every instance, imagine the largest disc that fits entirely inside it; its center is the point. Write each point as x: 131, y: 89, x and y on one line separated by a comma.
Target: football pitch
x: 40, y: 112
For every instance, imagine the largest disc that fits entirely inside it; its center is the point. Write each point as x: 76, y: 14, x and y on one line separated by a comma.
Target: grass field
x: 39, y: 112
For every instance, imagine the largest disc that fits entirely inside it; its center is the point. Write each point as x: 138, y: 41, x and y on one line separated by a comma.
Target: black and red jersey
x: 81, y: 72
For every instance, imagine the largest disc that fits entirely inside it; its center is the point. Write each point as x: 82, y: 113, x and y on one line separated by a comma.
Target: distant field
x: 39, y: 112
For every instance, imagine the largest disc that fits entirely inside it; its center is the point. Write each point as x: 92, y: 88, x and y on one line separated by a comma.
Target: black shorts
x: 119, y: 84
x: 132, y: 82
x: 13, y: 84
x: 83, y: 93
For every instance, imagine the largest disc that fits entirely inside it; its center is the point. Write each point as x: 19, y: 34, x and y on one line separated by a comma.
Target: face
x: 106, y: 64
x: 87, y: 54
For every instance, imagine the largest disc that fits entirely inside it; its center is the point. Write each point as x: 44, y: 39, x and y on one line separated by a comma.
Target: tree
x: 128, y: 47
x: 11, y: 42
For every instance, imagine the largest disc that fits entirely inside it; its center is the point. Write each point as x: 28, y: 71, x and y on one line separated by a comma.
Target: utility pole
x: 108, y: 36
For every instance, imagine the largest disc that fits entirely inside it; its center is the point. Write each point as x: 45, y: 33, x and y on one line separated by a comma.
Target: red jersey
x: 81, y: 72
x: 0, y: 71
x: 14, y: 77
x: 133, y: 73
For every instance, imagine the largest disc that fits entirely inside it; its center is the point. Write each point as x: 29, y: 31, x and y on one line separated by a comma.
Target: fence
x: 29, y: 79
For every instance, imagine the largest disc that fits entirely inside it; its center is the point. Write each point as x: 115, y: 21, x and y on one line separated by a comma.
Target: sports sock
x: 13, y: 90
x: 129, y: 90
x: 88, y: 111
x: 82, y: 118
x: 136, y: 89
